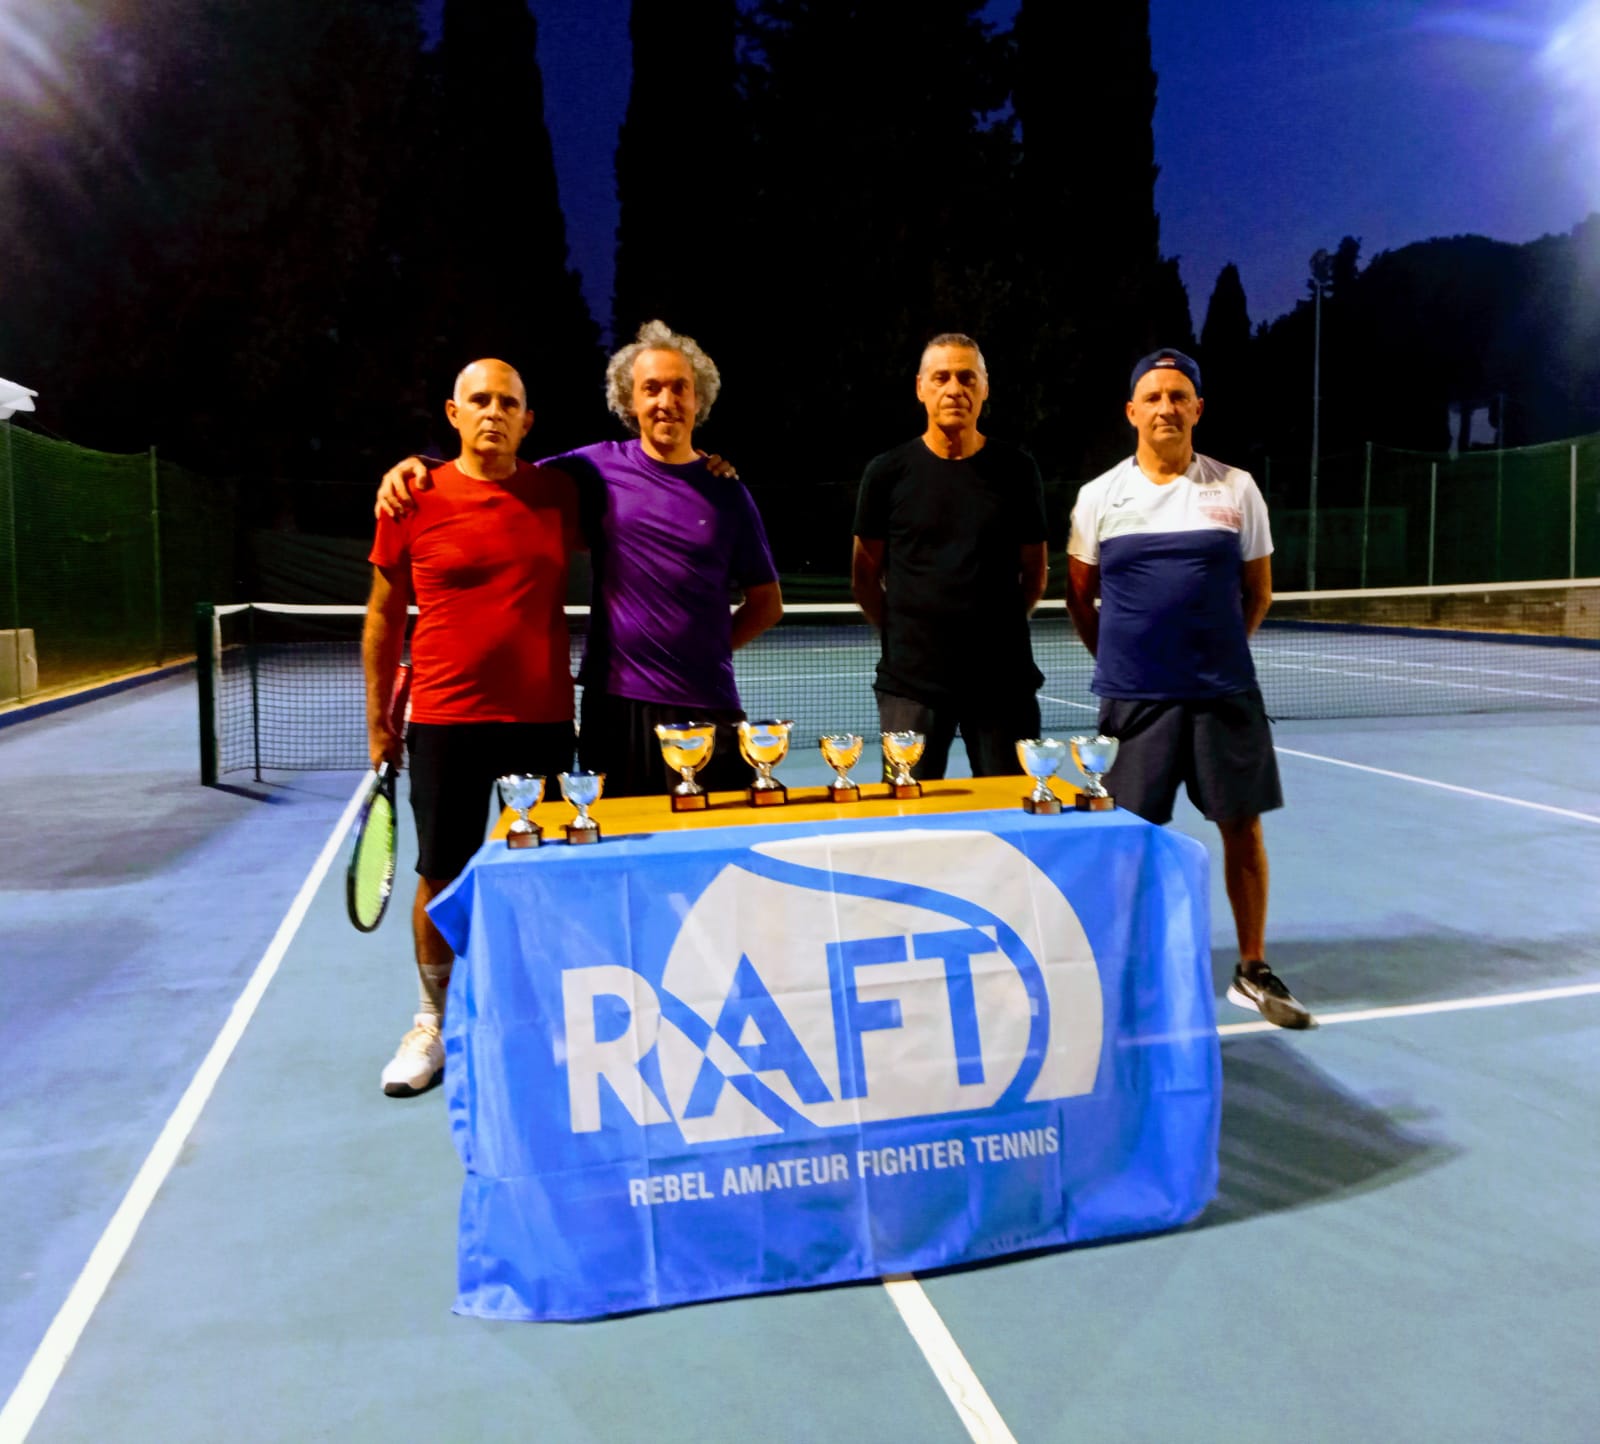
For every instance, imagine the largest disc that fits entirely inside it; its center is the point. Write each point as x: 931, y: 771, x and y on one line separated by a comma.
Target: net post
x: 8, y: 476
x: 1433, y: 513
x: 155, y: 555
x: 1499, y: 507
x: 255, y: 691
x: 205, y: 624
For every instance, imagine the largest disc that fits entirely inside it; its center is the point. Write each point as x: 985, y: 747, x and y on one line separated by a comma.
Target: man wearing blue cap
x: 1177, y: 550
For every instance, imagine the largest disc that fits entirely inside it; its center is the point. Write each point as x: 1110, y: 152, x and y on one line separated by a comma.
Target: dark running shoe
x: 1263, y: 990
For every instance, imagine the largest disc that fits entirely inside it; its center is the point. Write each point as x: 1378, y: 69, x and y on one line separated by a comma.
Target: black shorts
x: 990, y: 726
x: 453, y: 768
x: 1220, y: 748
x: 618, y: 738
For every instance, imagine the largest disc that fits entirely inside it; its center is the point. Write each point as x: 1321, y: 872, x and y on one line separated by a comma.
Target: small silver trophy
x: 1041, y: 759
x: 764, y: 745
x: 686, y: 748
x: 902, y: 751
x: 1094, y: 756
x: 582, y: 790
x: 522, y: 791
x: 841, y: 752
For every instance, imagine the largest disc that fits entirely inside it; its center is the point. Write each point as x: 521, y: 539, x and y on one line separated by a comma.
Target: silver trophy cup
x: 764, y: 745
x: 582, y: 790
x: 842, y: 751
x: 1041, y: 758
x: 686, y: 747
x: 521, y: 791
x: 1094, y: 757
x: 902, y: 751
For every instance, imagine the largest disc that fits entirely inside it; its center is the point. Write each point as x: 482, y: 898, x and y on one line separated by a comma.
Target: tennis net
x: 281, y: 686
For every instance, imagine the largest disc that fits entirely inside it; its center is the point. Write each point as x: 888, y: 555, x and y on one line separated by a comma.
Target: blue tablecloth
x: 687, y: 1065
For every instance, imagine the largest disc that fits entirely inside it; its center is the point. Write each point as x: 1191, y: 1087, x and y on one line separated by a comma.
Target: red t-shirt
x: 488, y: 564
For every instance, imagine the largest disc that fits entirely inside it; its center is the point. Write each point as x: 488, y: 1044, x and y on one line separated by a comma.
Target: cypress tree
x: 1225, y: 359
x: 494, y: 256
x: 679, y: 186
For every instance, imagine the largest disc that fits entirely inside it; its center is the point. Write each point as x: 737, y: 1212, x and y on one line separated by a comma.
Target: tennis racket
x: 369, y: 879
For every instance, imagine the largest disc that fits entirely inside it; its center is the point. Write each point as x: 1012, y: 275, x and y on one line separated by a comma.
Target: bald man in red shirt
x: 484, y: 555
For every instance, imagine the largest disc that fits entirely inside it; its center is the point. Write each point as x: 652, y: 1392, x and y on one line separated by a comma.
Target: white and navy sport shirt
x: 1171, y: 560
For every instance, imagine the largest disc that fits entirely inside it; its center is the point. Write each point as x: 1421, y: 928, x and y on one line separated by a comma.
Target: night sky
x: 1281, y: 126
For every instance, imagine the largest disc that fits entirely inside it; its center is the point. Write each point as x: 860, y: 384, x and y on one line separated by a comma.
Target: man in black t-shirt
x: 949, y: 560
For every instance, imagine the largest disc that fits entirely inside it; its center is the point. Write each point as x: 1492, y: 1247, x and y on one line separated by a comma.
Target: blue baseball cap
x: 1167, y: 357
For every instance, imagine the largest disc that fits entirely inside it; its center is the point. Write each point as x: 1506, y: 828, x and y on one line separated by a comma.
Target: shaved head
x: 469, y: 379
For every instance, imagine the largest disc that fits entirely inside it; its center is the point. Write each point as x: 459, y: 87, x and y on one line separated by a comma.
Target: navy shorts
x: 453, y: 768
x: 1219, y: 748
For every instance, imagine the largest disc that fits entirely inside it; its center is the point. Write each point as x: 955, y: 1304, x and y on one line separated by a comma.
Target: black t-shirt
x: 953, y: 533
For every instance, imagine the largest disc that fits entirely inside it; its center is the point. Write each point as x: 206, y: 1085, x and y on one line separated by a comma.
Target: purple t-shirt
x: 667, y: 544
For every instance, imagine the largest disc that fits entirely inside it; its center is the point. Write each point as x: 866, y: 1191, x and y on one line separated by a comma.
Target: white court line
x: 955, y: 1375
x: 1069, y: 702
x: 1445, y: 786
x: 961, y: 1386
x: 61, y: 1338
x: 1423, y: 1010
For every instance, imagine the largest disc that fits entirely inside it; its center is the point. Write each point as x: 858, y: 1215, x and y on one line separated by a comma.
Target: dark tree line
x: 1420, y: 338
x: 263, y: 237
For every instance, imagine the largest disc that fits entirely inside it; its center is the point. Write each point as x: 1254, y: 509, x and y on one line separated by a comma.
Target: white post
x: 1572, y: 515
x: 1433, y: 513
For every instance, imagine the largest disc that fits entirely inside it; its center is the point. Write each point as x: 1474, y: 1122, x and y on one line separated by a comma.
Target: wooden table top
x: 621, y: 816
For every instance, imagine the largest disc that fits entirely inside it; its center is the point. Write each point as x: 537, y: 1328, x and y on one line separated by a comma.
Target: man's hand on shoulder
x: 395, y: 494
x: 719, y: 465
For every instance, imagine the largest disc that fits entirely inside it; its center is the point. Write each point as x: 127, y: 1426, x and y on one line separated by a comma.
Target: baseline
x: 1443, y: 786
x: 1423, y: 1010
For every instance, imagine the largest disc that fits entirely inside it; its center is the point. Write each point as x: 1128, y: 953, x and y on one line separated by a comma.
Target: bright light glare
x: 1570, y: 61
x: 28, y: 68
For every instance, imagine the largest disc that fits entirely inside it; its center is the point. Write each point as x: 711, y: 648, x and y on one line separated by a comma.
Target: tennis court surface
x: 1401, y: 1247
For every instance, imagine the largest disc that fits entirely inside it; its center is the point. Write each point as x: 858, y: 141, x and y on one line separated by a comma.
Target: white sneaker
x: 417, y: 1062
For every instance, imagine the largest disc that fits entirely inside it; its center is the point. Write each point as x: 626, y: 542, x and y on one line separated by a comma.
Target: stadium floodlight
x: 14, y: 398
x: 1321, y: 280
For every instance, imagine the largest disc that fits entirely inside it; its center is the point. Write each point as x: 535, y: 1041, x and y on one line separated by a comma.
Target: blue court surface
x: 216, y: 1227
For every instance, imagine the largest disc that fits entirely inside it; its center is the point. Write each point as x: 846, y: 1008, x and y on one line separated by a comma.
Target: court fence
x: 1384, y: 517
x: 102, y: 560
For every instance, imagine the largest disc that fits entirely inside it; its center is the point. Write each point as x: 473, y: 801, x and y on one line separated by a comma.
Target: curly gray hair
x: 658, y: 336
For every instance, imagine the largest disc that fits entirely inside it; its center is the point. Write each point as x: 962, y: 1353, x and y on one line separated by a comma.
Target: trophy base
x: 844, y: 794
x: 1085, y: 803
x: 905, y: 791
x: 531, y: 838
x: 768, y: 796
x: 1041, y: 806
x: 577, y: 835
x: 690, y: 801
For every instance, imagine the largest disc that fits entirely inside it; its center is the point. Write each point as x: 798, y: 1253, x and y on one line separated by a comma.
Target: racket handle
x: 400, y: 700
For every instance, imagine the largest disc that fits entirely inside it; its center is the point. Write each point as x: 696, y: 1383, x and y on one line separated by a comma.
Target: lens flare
x: 1570, y: 64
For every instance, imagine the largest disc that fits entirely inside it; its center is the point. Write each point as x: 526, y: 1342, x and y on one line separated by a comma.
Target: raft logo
x: 836, y: 980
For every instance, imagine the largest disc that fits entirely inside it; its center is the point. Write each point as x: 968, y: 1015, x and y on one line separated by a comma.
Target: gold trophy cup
x: 686, y: 747
x: 902, y: 751
x: 764, y: 745
x: 841, y: 752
